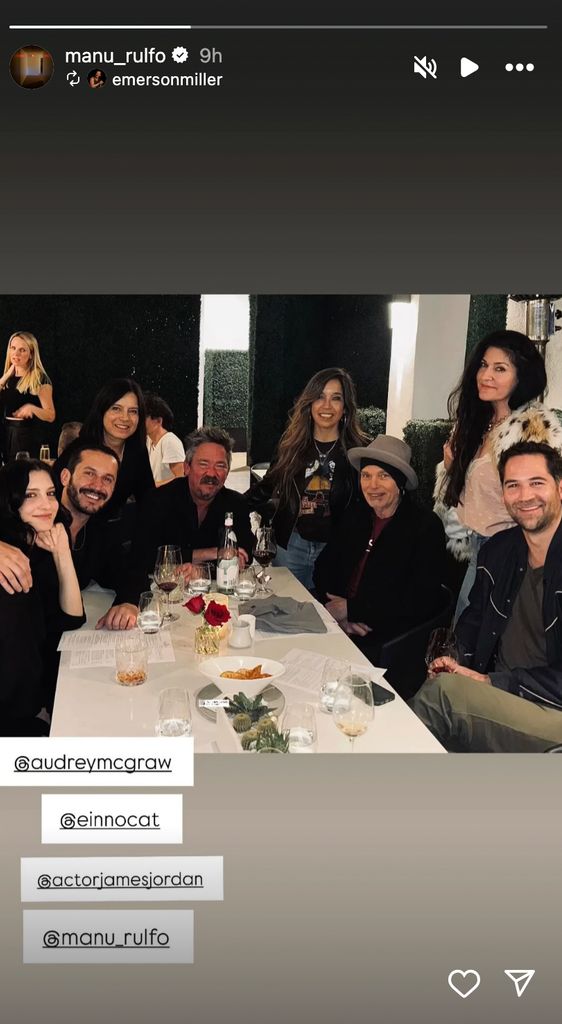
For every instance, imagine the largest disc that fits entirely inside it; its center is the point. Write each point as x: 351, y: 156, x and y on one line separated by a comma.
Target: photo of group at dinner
x: 363, y: 492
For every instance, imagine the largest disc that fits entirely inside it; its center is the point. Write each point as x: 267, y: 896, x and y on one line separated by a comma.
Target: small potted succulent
x: 255, y: 726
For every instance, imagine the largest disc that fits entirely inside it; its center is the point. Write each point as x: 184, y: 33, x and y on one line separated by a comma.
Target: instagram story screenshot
x: 280, y: 474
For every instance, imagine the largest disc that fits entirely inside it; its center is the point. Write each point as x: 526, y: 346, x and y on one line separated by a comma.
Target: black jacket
x: 32, y: 625
x: 502, y: 564
x: 100, y: 556
x: 263, y: 498
x: 168, y: 515
x: 401, y: 583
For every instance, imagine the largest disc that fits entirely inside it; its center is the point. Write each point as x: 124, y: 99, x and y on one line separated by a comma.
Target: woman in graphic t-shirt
x: 310, y: 481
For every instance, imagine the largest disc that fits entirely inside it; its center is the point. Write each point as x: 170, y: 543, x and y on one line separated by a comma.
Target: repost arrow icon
x: 520, y: 979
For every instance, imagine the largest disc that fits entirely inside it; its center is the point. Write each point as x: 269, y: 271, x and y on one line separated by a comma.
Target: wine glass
x: 167, y: 575
x: 442, y: 644
x: 200, y: 579
x: 353, y: 709
x: 330, y: 681
x: 265, y: 550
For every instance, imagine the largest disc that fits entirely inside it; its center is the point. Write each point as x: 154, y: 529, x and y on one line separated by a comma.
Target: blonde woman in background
x: 26, y: 397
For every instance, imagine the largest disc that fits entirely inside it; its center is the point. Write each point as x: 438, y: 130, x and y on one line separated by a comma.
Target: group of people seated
x: 348, y: 526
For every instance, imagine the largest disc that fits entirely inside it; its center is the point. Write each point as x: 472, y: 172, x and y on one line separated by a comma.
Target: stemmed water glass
x: 442, y: 644
x: 264, y: 552
x: 353, y: 709
x: 167, y: 575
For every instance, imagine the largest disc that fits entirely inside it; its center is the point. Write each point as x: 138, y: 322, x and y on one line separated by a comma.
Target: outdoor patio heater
x: 541, y: 314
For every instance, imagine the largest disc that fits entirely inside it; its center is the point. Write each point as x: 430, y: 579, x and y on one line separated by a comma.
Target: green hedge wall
x: 226, y: 394
x: 486, y: 313
x: 372, y: 420
x: 426, y: 439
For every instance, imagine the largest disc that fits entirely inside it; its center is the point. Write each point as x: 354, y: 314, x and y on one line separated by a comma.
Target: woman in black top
x: 117, y: 419
x: 26, y: 397
x: 32, y: 623
x: 310, y: 481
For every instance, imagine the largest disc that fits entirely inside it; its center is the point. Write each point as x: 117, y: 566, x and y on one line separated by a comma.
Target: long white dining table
x: 89, y: 702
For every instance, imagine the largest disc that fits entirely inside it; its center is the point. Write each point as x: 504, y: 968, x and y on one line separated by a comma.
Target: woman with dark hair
x: 310, y: 481
x: 118, y: 419
x: 32, y: 622
x: 493, y: 407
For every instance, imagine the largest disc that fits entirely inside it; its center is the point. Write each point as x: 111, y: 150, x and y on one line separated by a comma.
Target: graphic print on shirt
x: 315, y: 500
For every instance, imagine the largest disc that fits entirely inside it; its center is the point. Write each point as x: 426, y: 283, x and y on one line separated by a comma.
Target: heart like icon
x: 463, y: 986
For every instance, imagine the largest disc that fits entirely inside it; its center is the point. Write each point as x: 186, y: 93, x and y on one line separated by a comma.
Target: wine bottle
x: 227, y: 557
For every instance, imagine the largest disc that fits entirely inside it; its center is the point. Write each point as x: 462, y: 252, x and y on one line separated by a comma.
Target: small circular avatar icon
x: 31, y: 67
x: 96, y: 78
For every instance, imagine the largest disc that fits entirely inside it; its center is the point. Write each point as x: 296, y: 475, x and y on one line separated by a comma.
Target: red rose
x: 216, y: 614
x: 195, y: 605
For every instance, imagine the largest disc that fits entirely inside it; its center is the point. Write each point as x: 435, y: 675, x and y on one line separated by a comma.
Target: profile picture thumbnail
x: 97, y: 78
x: 31, y: 67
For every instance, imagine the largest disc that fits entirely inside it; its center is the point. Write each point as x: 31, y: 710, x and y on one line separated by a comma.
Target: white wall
x: 225, y: 322
x: 553, y: 363
x: 428, y: 350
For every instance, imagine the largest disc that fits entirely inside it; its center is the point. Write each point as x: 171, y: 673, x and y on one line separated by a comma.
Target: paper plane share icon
x: 520, y: 979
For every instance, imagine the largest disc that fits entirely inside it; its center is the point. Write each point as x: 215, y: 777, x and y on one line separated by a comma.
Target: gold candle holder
x: 207, y: 640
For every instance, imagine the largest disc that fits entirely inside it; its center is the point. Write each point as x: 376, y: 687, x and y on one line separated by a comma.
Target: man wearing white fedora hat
x: 381, y: 572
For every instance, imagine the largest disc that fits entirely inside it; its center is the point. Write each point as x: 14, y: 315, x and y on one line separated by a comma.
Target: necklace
x: 495, y: 423
x: 322, y: 456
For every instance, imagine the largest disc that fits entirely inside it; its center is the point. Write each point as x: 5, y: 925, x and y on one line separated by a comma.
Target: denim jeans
x: 299, y: 556
x: 476, y: 542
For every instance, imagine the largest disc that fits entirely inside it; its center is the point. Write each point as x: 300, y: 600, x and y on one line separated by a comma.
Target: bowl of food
x: 237, y: 672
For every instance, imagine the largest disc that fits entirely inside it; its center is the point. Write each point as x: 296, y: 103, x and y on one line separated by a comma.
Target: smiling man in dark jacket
x: 381, y: 572
x: 505, y: 691
x: 189, y: 511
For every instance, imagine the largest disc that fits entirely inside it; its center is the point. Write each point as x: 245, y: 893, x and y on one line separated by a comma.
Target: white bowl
x: 212, y: 668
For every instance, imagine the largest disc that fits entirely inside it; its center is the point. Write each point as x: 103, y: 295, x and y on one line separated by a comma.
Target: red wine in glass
x: 167, y: 574
x: 166, y: 585
x: 265, y: 550
x: 264, y: 558
x: 442, y: 644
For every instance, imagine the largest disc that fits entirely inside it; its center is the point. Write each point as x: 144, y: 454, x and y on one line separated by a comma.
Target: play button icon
x: 468, y: 67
